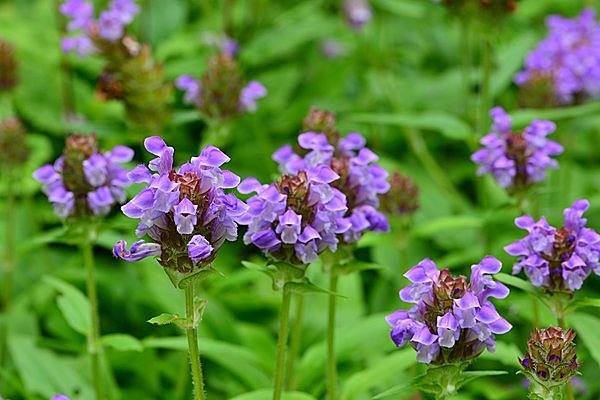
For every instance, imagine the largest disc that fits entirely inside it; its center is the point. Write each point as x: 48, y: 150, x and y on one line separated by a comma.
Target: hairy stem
x: 331, y: 360
x: 294, y: 344
x: 94, y: 346
x: 281, y: 343
x: 192, y: 338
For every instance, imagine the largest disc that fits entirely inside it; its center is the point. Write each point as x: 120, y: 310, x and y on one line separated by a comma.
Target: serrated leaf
x: 122, y: 342
x: 73, y: 304
x: 446, y: 124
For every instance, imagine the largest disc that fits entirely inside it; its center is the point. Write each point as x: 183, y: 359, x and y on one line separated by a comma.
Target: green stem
x: 192, y: 338
x: 281, y: 343
x: 294, y: 344
x: 65, y: 68
x: 484, y: 89
x: 94, y: 346
x: 331, y: 360
x: 420, y: 149
x: 9, y: 260
x: 560, y: 319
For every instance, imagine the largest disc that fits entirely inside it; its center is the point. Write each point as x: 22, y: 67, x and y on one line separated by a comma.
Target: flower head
x: 13, y: 146
x: 557, y: 260
x: 566, y: 61
x: 84, y: 181
x: 185, y: 211
x: 402, y: 198
x: 361, y: 179
x: 8, y: 66
x: 297, y: 217
x: 452, y: 320
x: 550, y: 359
x: 517, y: 160
x: 220, y: 92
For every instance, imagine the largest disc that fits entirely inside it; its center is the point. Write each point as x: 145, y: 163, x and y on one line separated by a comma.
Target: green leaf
x: 267, y: 394
x: 165, y: 319
x: 447, y: 124
x: 444, y: 224
x: 122, y: 342
x: 73, y: 304
x: 410, y: 384
x: 587, y: 328
x: 472, y: 375
x: 306, y: 287
x: 587, y: 302
x: 524, y: 117
x: 518, y: 283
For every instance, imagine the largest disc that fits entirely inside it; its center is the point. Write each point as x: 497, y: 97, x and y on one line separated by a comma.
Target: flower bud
x: 8, y: 66
x: 402, y: 198
x: 12, y: 142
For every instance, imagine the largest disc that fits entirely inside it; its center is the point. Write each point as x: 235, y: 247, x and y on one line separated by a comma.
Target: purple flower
x: 124, y: 9
x: 361, y: 179
x: 111, y: 26
x: 357, y: 12
x: 80, y: 12
x: 185, y: 211
x: 84, y: 182
x: 568, y: 59
x: 517, y: 160
x: 296, y: 218
x: 191, y: 88
x: 59, y: 397
x: 250, y: 94
x: 452, y: 320
x: 557, y: 259
x: 82, y: 45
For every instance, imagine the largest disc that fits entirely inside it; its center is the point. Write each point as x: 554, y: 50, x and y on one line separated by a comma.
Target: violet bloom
x: 59, y: 397
x: 250, y: 94
x: 452, y: 320
x: 357, y: 13
x: 191, y: 88
x: 296, y: 218
x: 361, y: 179
x: 110, y: 26
x: 568, y: 59
x: 185, y: 211
x: 557, y: 259
x: 83, y: 181
x: 517, y: 160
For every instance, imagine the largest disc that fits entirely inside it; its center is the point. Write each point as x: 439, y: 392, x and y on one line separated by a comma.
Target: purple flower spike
x: 96, y: 177
x: 558, y: 260
x: 517, y: 160
x: 345, y: 164
x: 296, y: 218
x: 452, y: 320
x: 567, y: 61
x: 185, y: 210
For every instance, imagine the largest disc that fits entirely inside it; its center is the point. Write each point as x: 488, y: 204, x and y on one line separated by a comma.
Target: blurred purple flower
x: 452, y: 321
x: 191, y: 88
x: 517, y: 160
x: 557, y: 259
x: 250, y: 94
x: 84, y: 182
x: 185, y: 211
x: 357, y: 13
x: 569, y: 58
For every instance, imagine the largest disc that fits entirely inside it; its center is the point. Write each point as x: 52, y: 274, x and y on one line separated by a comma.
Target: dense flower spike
x: 184, y: 211
x: 566, y: 61
x: 361, y: 180
x: 109, y: 27
x: 452, y: 320
x: 220, y: 93
x: 84, y: 181
x: 8, y: 66
x: 517, y: 160
x: 296, y: 218
x: 557, y: 260
x: 402, y: 198
x: 550, y: 360
x: 13, y: 146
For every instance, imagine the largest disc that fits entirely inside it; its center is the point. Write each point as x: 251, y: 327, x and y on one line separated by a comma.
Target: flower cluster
x: 13, y: 146
x: 402, y: 198
x: 557, y: 259
x: 361, y: 180
x: 296, y: 218
x: 517, y: 160
x: 550, y: 359
x: 8, y: 66
x: 567, y: 59
x: 452, y: 320
x: 84, y: 181
x: 220, y: 93
x: 108, y: 28
x: 185, y: 211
